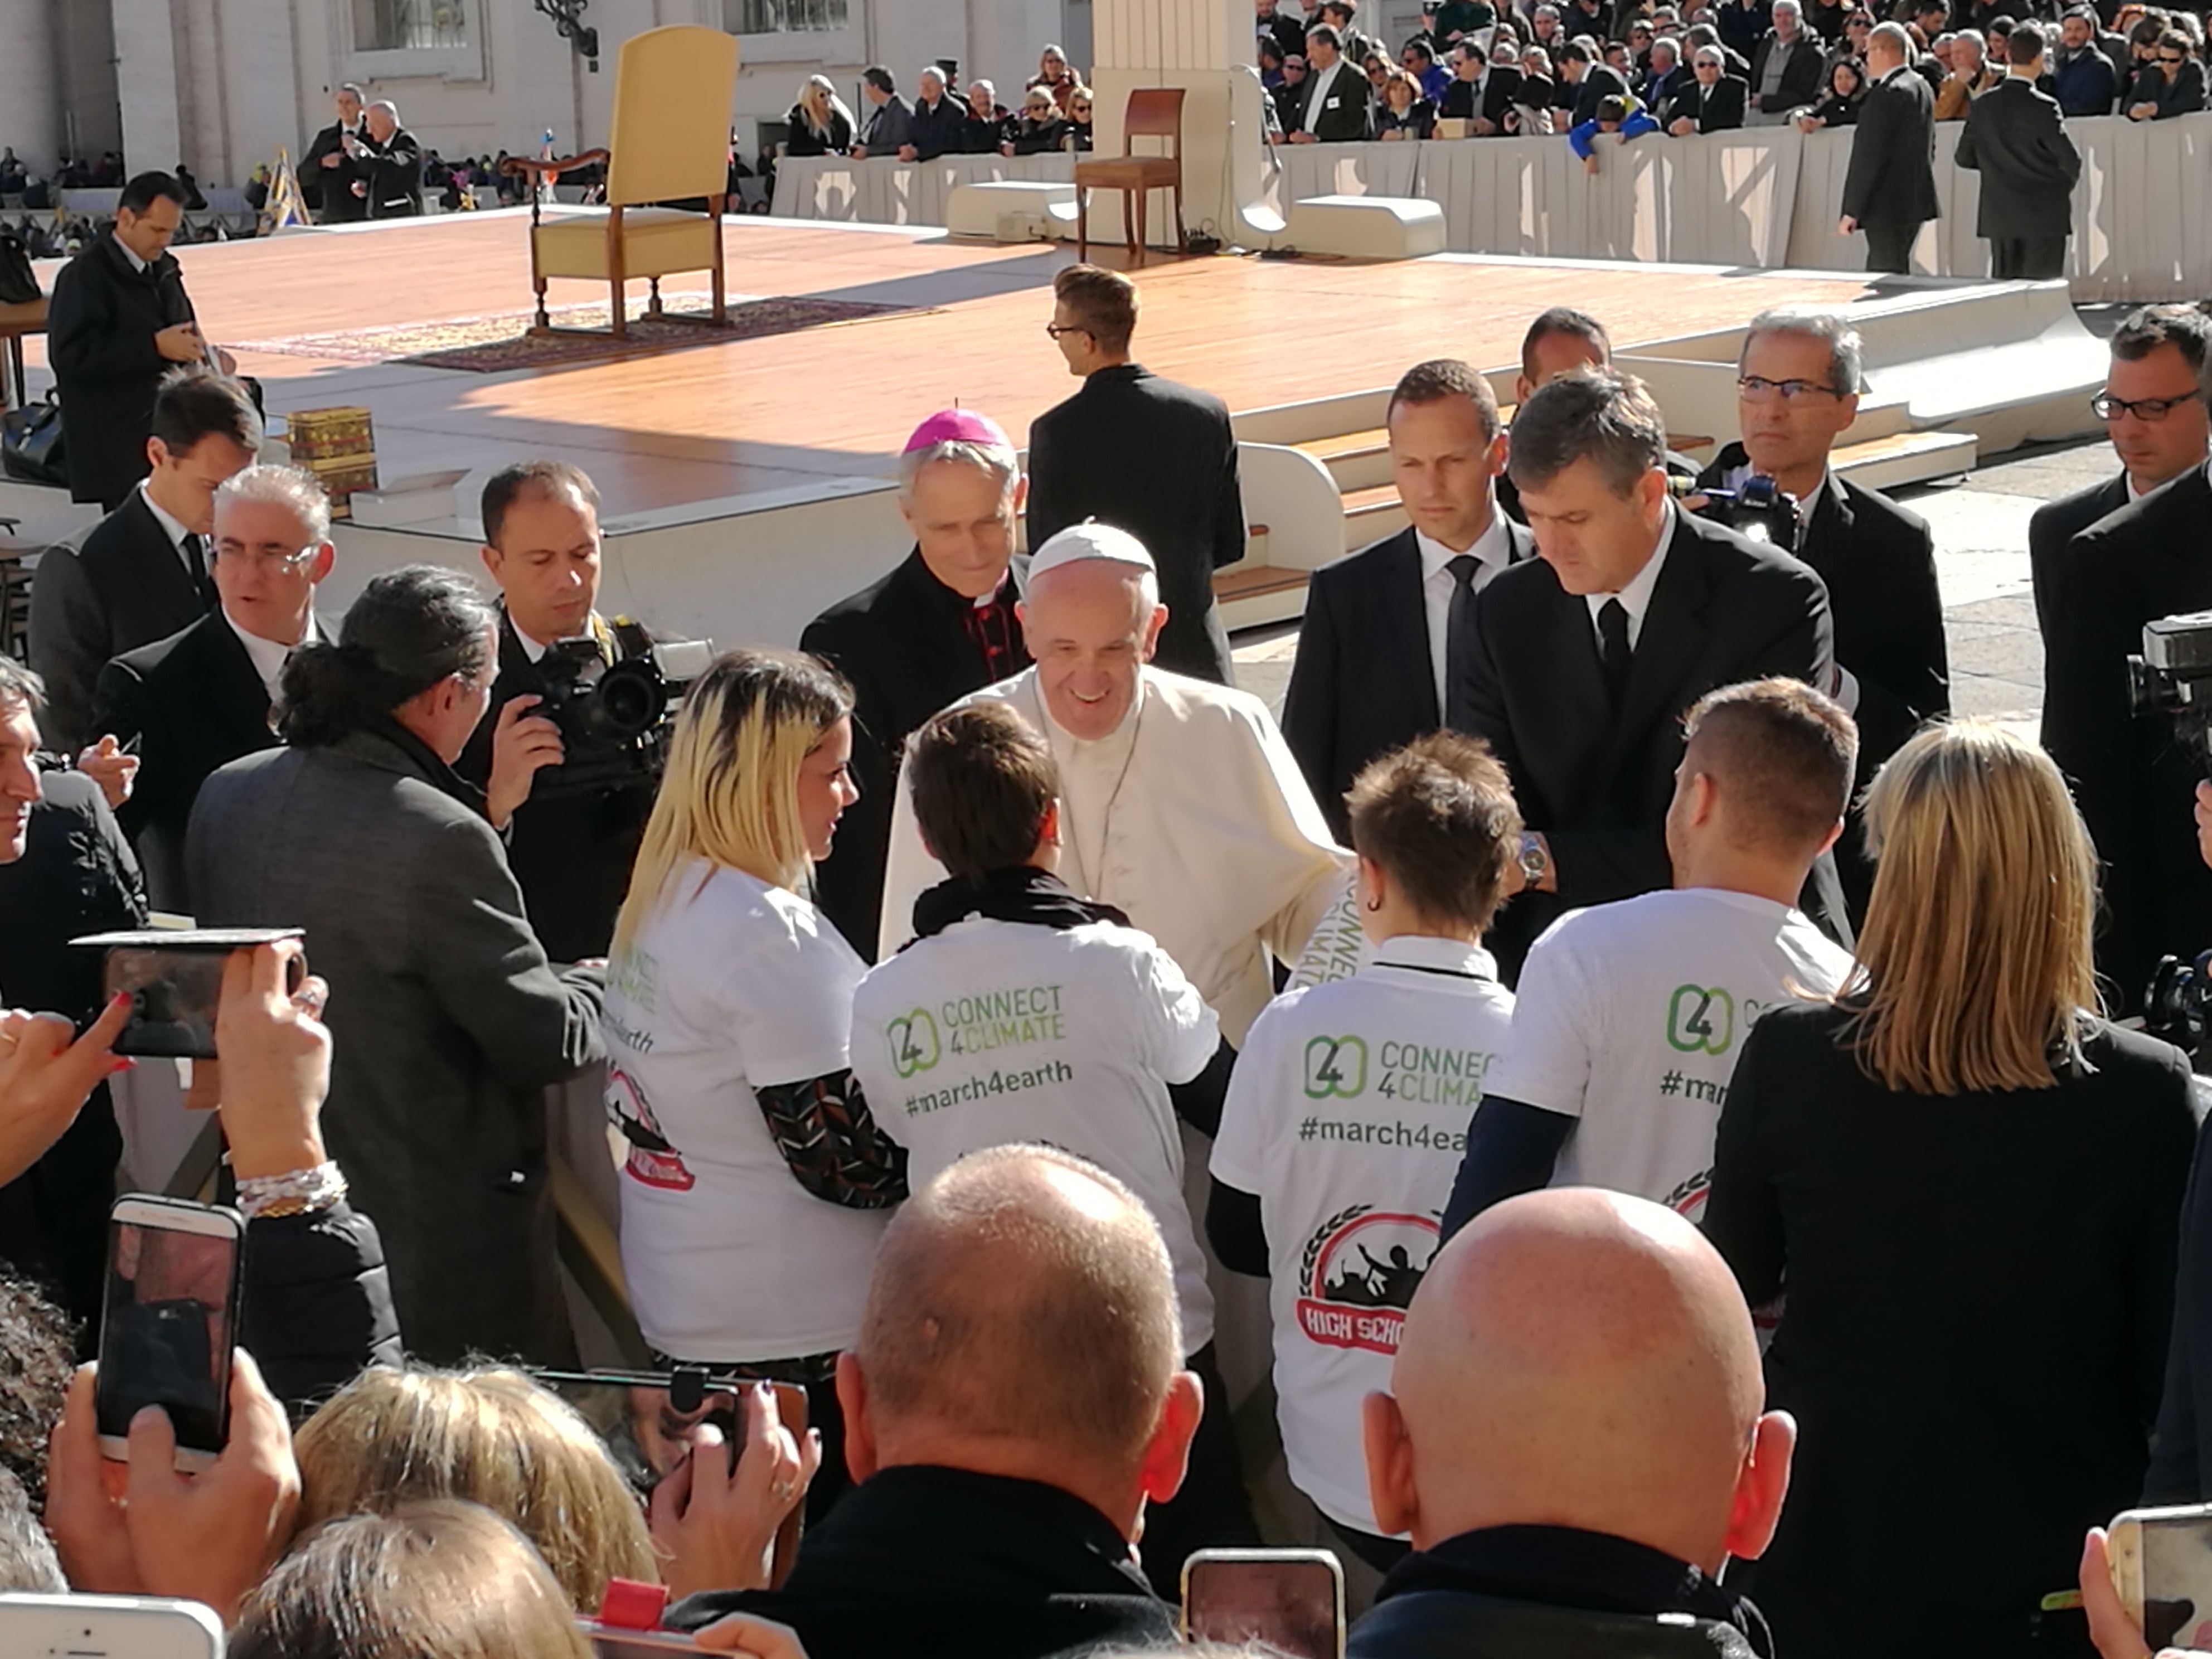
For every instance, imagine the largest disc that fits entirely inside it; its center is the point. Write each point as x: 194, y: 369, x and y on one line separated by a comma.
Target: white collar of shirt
x: 267, y: 656
x: 1635, y: 598
x: 1493, y: 551
x: 531, y: 648
x: 1424, y: 953
x: 136, y: 263
x: 1883, y: 80
x: 173, y: 528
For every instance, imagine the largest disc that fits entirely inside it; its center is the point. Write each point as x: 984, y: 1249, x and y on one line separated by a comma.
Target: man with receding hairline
x: 1014, y: 1402
x: 1574, y: 1439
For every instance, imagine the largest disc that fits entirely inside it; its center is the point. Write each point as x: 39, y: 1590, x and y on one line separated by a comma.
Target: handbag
x: 19, y: 283
x: 31, y: 443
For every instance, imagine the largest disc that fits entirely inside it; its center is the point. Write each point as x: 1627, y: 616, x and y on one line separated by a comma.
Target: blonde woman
x: 818, y: 124
x: 1969, y: 1184
x: 757, y: 1184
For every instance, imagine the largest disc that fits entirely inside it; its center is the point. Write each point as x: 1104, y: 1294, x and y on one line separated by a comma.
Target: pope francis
x: 1181, y: 802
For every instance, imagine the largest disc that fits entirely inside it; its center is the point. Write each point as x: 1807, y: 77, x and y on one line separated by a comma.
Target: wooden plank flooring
x: 768, y: 414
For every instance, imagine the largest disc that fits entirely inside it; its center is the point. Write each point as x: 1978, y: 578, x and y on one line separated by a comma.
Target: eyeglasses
x: 2106, y: 407
x: 276, y: 563
x: 1053, y: 331
x: 2163, y: 58
x: 1758, y: 388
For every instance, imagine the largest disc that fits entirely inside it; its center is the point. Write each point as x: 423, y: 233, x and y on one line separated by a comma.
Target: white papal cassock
x: 1192, y: 817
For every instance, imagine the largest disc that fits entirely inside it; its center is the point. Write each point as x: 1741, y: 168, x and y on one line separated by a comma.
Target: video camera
x: 616, y: 718
x: 2173, y: 676
x: 1761, y: 510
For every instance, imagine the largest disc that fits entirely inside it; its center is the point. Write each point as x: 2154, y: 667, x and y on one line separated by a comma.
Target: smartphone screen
x: 172, y: 994
x: 2177, y: 1582
x: 170, y: 1322
x: 1292, y: 1600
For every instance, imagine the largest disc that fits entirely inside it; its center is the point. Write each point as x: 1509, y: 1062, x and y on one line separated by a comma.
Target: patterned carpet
x: 490, y: 344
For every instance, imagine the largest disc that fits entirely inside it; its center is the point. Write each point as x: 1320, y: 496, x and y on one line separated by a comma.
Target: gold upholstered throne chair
x: 669, y: 143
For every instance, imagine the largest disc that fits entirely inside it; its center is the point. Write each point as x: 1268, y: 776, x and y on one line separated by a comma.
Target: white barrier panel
x: 1765, y: 197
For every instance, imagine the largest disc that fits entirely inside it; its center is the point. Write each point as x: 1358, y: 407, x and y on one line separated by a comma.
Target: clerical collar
x: 1494, y: 547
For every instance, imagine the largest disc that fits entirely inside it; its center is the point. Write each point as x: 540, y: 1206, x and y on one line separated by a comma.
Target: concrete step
x: 1370, y: 514
x: 1255, y: 595
x: 1906, y: 457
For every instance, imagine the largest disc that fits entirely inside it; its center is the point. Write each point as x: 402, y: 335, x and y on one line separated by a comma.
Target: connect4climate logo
x: 913, y: 1039
x: 1701, y: 1020
x: 1336, y: 1067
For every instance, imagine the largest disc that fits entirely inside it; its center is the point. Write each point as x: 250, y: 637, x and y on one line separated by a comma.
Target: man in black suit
x: 119, y: 319
x: 1889, y: 189
x: 1480, y: 92
x: 1664, y: 75
x: 1274, y: 22
x: 938, y: 124
x: 1797, y: 393
x: 1335, y: 104
x: 142, y: 574
x: 2016, y: 139
x: 388, y: 176
x: 1592, y: 79
x: 327, y: 171
x: 2134, y: 783
x: 1384, y: 626
x: 1713, y: 101
x: 2158, y: 426
x: 940, y: 626
x: 575, y: 820
x: 201, y: 698
x: 1586, y: 658
x: 1145, y: 455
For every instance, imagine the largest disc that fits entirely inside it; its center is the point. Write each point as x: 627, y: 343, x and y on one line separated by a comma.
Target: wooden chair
x: 1152, y: 113
x: 670, y: 141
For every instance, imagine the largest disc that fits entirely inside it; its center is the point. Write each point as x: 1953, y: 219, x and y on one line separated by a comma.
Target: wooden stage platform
x: 776, y: 415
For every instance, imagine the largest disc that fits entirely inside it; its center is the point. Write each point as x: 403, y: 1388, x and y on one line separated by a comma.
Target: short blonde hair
x: 730, y: 791
x: 1975, y: 972
x: 492, y: 1437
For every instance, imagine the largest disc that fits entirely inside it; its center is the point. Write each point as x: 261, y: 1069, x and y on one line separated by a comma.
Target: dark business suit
x: 1500, y: 90
x: 1345, y: 115
x: 2016, y: 139
x: 100, y: 325
x: 393, y: 173
x: 1598, y: 82
x: 1801, y: 76
x: 904, y: 643
x: 2181, y: 95
x: 1157, y: 459
x: 2134, y: 783
x: 570, y: 848
x: 937, y: 129
x: 194, y: 703
x: 1719, y: 110
x: 2057, y: 523
x: 1596, y: 780
x: 1363, y: 682
x: 329, y: 191
x: 126, y: 586
x: 1890, y: 184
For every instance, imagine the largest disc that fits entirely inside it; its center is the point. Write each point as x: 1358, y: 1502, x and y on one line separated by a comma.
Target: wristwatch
x: 1535, y: 862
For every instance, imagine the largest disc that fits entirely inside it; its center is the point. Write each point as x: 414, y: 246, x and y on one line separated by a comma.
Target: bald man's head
x: 1583, y: 1358
x: 1022, y: 1311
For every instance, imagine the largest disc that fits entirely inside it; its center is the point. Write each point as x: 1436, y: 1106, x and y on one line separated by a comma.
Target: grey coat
x: 446, y: 1018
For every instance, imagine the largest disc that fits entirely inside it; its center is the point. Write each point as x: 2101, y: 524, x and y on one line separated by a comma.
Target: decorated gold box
x: 339, y: 445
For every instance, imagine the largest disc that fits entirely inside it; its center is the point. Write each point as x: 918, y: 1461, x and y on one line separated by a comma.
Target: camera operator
x: 1797, y: 392
x: 570, y: 847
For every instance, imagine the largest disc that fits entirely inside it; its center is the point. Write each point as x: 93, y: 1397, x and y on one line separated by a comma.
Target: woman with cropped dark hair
x: 448, y: 1019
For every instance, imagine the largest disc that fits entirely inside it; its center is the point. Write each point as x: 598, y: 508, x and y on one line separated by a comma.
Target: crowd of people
x: 942, y: 119
x: 1614, y: 936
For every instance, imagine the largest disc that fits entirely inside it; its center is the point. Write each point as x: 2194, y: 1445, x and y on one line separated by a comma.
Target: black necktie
x: 1459, y: 632
x: 1614, y: 651
x: 196, y: 558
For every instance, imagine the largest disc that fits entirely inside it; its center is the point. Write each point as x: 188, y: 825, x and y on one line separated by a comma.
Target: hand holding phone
x: 209, y: 1537
x: 275, y: 1069
x: 717, y: 1513
x: 46, y: 1071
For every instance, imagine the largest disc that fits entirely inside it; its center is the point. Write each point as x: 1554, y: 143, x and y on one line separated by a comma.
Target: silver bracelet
x: 296, y: 1192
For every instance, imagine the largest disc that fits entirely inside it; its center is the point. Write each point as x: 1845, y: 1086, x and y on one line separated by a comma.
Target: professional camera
x: 2173, y: 676
x: 614, y: 718
x: 2178, y: 1000
x: 1761, y: 509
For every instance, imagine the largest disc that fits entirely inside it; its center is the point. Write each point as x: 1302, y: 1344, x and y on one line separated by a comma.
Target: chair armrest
x: 556, y: 166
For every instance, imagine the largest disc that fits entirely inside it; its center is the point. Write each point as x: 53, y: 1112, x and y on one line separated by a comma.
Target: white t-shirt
x: 1631, y: 1017
x: 997, y: 1031
x: 733, y: 985
x: 1347, y: 1117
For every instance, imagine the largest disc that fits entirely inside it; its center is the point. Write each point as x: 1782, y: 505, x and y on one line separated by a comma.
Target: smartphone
x: 173, y: 977
x: 613, y: 1641
x: 107, y: 1627
x: 1292, y: 1600
x: 2162, y: 1568
x: 169, y: 1323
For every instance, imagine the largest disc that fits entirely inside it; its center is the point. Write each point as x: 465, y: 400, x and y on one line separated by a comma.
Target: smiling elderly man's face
x: 1091, y: 626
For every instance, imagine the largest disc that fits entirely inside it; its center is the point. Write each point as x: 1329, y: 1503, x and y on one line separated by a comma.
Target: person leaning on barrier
x: 447, y: 1017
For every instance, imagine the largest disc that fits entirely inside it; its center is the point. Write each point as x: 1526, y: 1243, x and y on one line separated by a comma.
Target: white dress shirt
x: 269, y: 656
x: 1493, y: 550
x: 1635, y: 598
x: 174, y: 529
